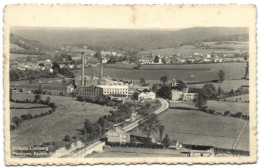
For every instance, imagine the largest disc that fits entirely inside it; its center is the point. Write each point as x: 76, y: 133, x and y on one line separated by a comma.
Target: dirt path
x: 235, y: 143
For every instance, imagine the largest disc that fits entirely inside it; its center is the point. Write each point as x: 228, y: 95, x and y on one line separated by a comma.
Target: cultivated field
x: 185, y: 72
x: 194, y: 127
x: 27, y: 108
x: 70, y: 115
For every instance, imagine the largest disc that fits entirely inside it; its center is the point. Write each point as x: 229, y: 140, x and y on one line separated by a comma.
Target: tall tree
x: 164, y: 79
x: 164, y: 92
x: 161, y: 130
x: 150, y: 125
x: 142, y: 81
x: 47, y: 101
x: 88, y: 126
x: 156, y: 59
x: 37, y: 98
x: 247, y: 68
x: 221, y: 75
x: 219, y: 90
x: 166, y: 141
x: 180, y: 85
x: 201, y: 100
x: 55, y: 66
x: 210, y: 91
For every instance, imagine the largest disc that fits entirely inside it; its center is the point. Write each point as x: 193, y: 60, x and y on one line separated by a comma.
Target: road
x: 165, y: 105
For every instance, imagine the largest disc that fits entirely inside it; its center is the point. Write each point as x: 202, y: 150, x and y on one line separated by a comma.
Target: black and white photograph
x: 143, y: 92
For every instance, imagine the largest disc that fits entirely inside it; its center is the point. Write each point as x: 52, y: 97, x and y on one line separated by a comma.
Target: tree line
x: 37, y: 100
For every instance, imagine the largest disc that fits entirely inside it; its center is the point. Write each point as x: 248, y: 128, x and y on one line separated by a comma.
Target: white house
x: 189, y: 96
x: 174, y: 144
x: 146, y: 96
x: 70, y: 88
x: 118, y: 135
x: 176, y: 95
x: 179, y: 95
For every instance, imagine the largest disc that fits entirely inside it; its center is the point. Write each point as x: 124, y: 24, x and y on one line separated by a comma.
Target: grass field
x: 244, y: 97
x: 70, y: 115
x: 28, y: 108
x: 15, y: 46
x: 189, y: 49
x: 221, y: 106
x: 135, y: 152
x: 185, y: 72
x: 13, y: 55
x: 226, y: 85
x: 194, y: 127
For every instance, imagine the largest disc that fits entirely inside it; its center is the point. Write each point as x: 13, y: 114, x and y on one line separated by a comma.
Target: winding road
x: 165, y: 106
x: 81, y: 153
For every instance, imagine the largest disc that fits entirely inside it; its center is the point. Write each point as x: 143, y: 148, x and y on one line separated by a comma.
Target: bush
x: 12, y: 127
x: 17, y: 121
x: 67, y: 138
x: 211, y: 111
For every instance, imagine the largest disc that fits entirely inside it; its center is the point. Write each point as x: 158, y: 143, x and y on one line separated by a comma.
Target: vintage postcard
x: 115, y: 84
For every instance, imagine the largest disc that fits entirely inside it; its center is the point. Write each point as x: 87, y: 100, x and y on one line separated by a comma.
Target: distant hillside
x: 139, y: 39
x: 20, y: 45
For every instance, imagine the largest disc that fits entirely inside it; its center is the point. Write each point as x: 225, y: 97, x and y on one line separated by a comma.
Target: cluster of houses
x: 181, y: 58
x: 39, y: 65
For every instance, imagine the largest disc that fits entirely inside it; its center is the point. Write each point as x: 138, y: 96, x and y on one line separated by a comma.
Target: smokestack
x: 82, y: 69
x: 101, y: 69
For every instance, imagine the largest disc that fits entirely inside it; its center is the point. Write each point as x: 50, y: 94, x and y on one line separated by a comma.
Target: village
x: 97, y: 101
x: 97, y: 89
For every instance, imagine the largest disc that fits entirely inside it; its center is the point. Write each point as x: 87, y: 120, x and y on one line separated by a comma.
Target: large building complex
x: 114, y: 89
x: 91, y: 92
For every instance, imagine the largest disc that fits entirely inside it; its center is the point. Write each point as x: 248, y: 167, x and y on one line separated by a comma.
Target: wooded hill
x: 129, y: 39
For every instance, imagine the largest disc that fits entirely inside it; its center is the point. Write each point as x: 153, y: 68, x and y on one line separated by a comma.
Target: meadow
x: 244, y: 97
x: 198, y: 128
x: 185, y: 72
x: 226, y: 85
x: 135, y: 152
x: 19, y: 109
x: 69, y: 116
x: 189, y: 49
x: 222, y: 106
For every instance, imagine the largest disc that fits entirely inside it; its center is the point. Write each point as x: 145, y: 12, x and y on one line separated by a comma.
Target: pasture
x: 185, y: 72
x: 198, y: 128
x: 226, y: 85
x: 69, y: 116
x: 222, y: 106
x: 240, y: 98
x: 19, y: 109
x: 230, y: 48
x: 135, y: 152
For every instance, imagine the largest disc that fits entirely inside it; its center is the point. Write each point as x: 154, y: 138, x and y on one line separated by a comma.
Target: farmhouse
x: 174, y: 144
x: 118, y: 135
x: 134, y: 88
x: 146, y: 96
x: 189, y: 96
x: 176, y: 95
x: 183, y: 95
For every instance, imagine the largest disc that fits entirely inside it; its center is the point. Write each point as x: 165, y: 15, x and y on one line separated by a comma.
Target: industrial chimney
x: 101, y: 69
x: 82, y: 69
